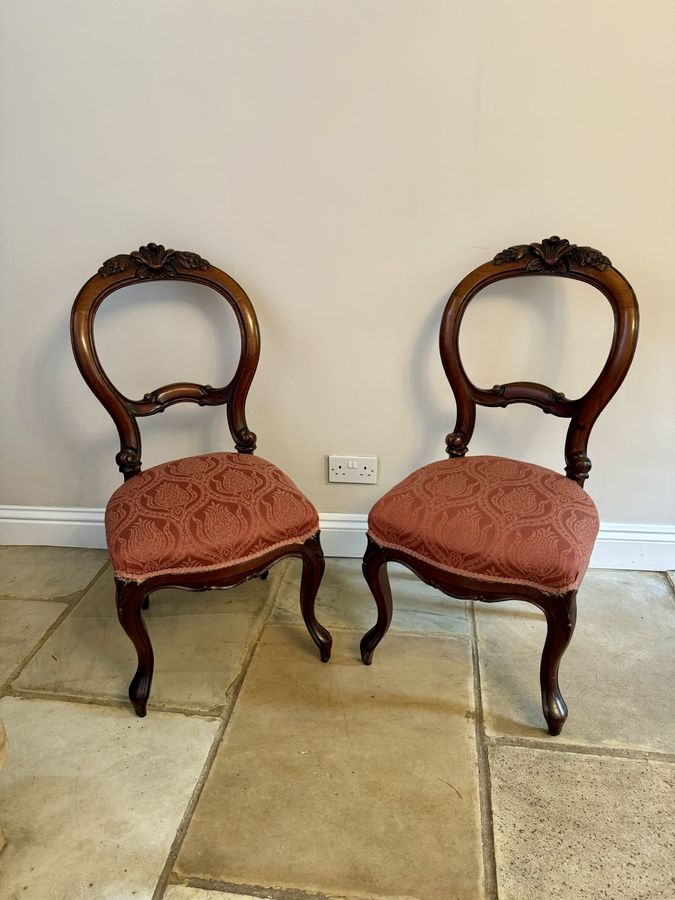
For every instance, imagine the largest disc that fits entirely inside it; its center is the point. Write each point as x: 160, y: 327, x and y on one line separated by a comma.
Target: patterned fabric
x: 204, y: 513
x: 491, y: 518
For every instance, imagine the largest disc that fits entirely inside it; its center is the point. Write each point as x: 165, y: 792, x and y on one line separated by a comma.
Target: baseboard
x: 343, y: 534
x: 649, y: 548
x: 644, y: 547
x: 52, y: 526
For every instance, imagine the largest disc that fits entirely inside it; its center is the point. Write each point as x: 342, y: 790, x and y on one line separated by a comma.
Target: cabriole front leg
x: 313, y: 565
x: 561, y: 615
x: 375, y: 573
x: 130, y: 598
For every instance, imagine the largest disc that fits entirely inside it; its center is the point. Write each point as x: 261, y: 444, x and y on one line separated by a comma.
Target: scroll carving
x: 153, y: 261
x: 456, y: 444
x: 245, y: 441
x: 553, y: 256
x: 129, y: 461
x: 578, y: 466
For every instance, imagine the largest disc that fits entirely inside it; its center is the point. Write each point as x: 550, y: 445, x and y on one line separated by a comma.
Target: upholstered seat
x: 203, y: 513
x: 491, y: 518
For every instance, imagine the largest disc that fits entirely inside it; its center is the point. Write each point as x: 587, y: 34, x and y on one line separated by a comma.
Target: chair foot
x: 139, y: 691
x: 375, y: 573
x: 263, y: 575
x: 555, y: 725
x: 561, y: 614
x: 313, y: 566
x: 130, y: 599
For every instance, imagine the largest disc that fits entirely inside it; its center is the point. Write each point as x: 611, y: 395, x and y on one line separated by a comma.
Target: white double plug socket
x: 353, y: 469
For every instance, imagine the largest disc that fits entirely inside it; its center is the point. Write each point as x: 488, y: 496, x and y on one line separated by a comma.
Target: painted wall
x: 347, y: 163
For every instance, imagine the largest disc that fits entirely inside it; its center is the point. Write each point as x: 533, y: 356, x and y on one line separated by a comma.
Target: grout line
x: 581, y: 749
x: 74, y: 601
x: 112, y: 703
x: 359, y: 629
x: 66, y: 598
x: 237, y: 687
x: 483, y: 761
x: 256, y: 890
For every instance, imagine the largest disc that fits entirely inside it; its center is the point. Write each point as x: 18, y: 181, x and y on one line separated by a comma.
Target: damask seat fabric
x: 491, y: 518
x: 204, y: 513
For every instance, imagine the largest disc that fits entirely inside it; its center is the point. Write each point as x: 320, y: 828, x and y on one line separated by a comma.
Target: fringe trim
x: 557, y: 592
x: 137, y: 578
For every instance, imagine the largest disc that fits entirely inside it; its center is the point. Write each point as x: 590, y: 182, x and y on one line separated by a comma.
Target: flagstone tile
x: 345, y: 779
x: 344, y: 601
x: 572, y: 826
x: 92, y: 798
x: 22, y: 624
x: 200, y: 641
x: 616, y: 675
x: 47, y: 573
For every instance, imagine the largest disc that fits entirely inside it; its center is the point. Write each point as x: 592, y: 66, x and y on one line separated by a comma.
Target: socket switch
x: 353, y: 469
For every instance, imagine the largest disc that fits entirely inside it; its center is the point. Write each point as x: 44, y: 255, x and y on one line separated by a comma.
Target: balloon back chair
x: 490, y: 528
x: 203, y: 522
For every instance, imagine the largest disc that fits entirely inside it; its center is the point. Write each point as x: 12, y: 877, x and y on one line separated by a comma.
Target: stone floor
x: 260, y: 772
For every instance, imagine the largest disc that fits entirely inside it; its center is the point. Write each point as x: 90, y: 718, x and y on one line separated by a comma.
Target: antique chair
x: 202, y: 522
x: 490, y: 528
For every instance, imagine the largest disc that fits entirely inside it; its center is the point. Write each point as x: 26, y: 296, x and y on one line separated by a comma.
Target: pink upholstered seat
x: 491, y: 518
x: 203, y: 513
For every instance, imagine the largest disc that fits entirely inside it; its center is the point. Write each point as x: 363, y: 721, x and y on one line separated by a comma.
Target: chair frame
x: 149, y: 263
x: 556, y: 257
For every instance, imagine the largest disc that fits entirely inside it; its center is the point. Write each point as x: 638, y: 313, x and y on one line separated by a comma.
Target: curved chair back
x: 557, y: 257
x: 148, y: 263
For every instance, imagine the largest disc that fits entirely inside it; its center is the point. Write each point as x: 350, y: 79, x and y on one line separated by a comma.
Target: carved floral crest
x: 153, y: 261
x: 553, y: 256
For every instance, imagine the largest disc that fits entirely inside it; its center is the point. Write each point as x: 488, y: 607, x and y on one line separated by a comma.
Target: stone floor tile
x: 613, y: 675
x: 22, y: 624
x: 572, y: 826
x: 47, y: 573
x: 91, y: 798
x: 345, y: 779
x: 200, y: 641
x: 344, y: 601
x: 671, y: 578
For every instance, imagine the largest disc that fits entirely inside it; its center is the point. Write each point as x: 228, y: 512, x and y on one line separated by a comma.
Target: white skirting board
x: 645, y: 547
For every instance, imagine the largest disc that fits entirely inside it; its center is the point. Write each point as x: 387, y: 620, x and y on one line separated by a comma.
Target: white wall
x: 347, y: 163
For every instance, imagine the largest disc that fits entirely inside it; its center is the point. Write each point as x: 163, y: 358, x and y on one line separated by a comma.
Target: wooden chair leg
x: 130, y: 598
x: 375, y: 573
x: 313, y: 566
x: 146, y: 602
x: 561, y: 615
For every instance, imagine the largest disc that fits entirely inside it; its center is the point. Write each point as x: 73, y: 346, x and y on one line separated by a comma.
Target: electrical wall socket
x: 353, y: 469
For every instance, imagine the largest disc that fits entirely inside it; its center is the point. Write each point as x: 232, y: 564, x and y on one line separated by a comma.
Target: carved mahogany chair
x: 202, y: 522
x: 490, y: 528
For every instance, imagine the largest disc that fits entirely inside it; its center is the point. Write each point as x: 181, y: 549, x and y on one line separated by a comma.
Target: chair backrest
x: 557, y: 257
x: 149, y: 263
